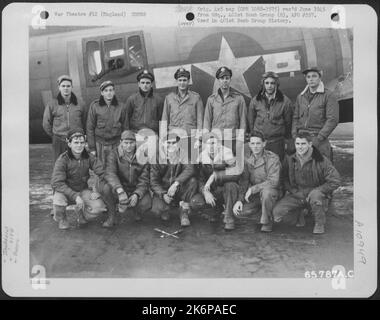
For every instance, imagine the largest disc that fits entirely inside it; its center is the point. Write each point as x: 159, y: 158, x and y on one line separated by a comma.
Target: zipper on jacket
x: 145, y: 100
x: 171, y: 175
x: 130, y: 173
x: 68, y: 116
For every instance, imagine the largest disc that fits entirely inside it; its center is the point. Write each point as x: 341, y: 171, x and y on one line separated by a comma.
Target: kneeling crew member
x: 218, y: 177
x: 70, y: 176
x: 259, y: 182
x: 173, y: 183
x: 310, y: 178
x: 128, y: 180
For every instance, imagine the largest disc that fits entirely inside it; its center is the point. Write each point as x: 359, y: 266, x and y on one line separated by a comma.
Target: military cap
x: 182, y: 72
x: 128, y: 135
x: 315, y: 69
x: 223, y: 71
x: 106, y: 84
x: 211, y: 135
x: 145, y: 74
x: 173, y: 136
x: 270, y: 74
x: 75, y: 132
x: 64, y: 77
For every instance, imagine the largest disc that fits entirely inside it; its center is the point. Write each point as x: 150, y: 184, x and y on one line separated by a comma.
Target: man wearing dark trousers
x: 127, y: 181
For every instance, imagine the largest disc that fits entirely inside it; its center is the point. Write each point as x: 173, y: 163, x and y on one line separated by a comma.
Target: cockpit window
x: 135, y: 53
x: 93, y: 58
x: 116, y: 56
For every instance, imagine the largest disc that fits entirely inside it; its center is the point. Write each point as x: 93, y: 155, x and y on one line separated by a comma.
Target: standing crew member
x: 271, y: 112
x: 183, y: 111
x: 226, y: 109
x: 145, y: 111
x: 310, y: 178
x: 260, y: 182
x: 145, y: 106
x: 316, y: 111
x: 62, y: 115
x: 107, y: 119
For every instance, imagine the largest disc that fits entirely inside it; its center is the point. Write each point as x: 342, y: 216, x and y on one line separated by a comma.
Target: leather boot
x: 80, y: 218
x: 111, y: 220
x: 184, y: 213
x: 267, y: 227
x: 320, y: 219
x: 229, y: 222
x: 301, y: 218
x: 60, y: 217
x: 165, y: 216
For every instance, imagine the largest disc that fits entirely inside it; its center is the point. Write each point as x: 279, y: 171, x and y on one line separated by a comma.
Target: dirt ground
x: 203, y: 250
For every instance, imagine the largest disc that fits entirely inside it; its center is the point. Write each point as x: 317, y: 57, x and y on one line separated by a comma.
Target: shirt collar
x: 320, y: 89
x: 149, y: 94
x: 187, y: 93
x: 230, y: 93
x: 307, y: 156
x: 272, y: 97
x: 124, y: 156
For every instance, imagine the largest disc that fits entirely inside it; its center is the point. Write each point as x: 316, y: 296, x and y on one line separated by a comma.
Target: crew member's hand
x: 173, y: 189
x: 133, y: 200
x: 197, y: 144
x: 238, y: 208
x: 123, y: 198
x: 210, y: 199
x: 248, y: 194
x: 94, y: 195
x: 93, y: 153
x: 167, y: 199
x: 209, y: 182
x: 79, y: 203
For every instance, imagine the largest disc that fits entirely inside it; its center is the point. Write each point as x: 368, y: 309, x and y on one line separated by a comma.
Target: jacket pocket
x: 116, y: 129
x: 316, y: 116
x: 101, y: 123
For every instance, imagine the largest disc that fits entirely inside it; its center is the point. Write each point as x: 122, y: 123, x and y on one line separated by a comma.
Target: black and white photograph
x: 219, y: 145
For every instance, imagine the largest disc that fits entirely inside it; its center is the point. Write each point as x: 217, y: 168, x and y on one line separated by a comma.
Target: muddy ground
x: 204, y: 250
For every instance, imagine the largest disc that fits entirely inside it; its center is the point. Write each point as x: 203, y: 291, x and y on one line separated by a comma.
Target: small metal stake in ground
x: 168, y: 234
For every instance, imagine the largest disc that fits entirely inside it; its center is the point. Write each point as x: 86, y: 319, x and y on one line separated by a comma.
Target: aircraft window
x: 114, y: 54
x: 93, y: 58
x: 135, y: 53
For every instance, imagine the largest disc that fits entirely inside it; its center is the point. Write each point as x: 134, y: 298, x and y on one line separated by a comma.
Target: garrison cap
x: 63, y: 78
x: 223, y: 71
x: 128, y: 135
x: 75, y: 132
x: 270, y: 74
x: 315, y: 69
x: 145, y: 74
x: 106, y: 84
x: 182, y: 72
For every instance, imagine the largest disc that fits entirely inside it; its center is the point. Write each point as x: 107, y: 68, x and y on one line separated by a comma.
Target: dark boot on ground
x: 80, y: 218
x: 111, y: 221
x: 301, y: 218
x: 267, y: 227
x: 184, y: 212
x: 165, y: 216
x: 320, y: 219
x: 60, y: 217
x: 229, y: 222
x: 137, y: 215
